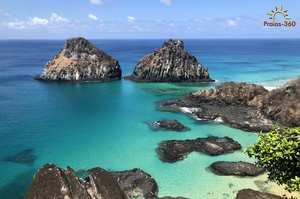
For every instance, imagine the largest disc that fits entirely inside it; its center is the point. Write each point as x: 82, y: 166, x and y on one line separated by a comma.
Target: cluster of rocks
x: 170, y: 125
x: 80, y: 60
x: 175, y: 150
x: 245, y: 106
x: 54, y: 182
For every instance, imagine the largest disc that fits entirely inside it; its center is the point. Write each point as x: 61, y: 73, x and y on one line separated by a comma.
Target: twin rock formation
x: 80, y: 60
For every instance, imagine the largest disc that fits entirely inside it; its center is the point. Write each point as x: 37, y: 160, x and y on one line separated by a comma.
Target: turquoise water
x: 93, y: 124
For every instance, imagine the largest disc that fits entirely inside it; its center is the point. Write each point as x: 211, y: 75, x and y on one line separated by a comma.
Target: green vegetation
x: 279, y: 153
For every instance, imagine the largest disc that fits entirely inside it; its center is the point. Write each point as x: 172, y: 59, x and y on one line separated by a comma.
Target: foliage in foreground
x: 279, y: 153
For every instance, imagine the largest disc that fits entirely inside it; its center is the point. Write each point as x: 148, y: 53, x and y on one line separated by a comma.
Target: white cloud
x: 56, y: 18
x: 167, y: 2
x: 231, y: 22
x: 93, y: 17
x: 97, y: 2
x: 52, y: 21
x: 19, y: 25
x: 131, y: 19
x: 39, y: 21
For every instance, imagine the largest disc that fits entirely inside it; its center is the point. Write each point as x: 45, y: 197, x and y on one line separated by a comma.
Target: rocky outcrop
x: 175, y: 150
x: 171, y: 125
x: 80, y: 60
x: 235, y: 169
x: 54, y: 182
x: 245, y: 106
x: 251, y: 194
x: 171, y: 63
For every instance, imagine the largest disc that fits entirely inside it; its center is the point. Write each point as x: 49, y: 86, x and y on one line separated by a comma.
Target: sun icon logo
x: 277, y: 12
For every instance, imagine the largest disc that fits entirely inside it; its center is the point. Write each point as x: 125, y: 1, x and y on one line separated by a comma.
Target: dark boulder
x: 175, y: 150
x: 80, y: 60
x: 171, y: 125
x: 53, y: 182
x: 235, y: 168
x: 136, y: 183
x: 171, y: 63
x: 251, y: 194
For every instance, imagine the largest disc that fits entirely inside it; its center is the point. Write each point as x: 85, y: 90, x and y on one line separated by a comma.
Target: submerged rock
x: 26, y: 157
x: 235, y: 168
x: 54, y: 182
x: 171, y: 63
x: 245, y: 106
x: 251, y: 194
x: 171, y: 125
x: 175, y: 150
x: 80, y: 60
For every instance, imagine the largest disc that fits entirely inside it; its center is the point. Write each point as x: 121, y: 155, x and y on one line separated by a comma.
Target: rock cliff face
x: 80, y: 60
x: 171, y: 63
x: 54, y: 182
x: 245, y: 106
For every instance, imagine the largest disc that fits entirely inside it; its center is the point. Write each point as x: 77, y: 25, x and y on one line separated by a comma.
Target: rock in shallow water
x: 80, y: 60
x: 171, y: 125
x: 53, y: 182
x: 171, y: 63
x: 26, y: 157
x: 251, y: 194
x: 175, y: 150
x: 235, y: 168
x: 245, y: 106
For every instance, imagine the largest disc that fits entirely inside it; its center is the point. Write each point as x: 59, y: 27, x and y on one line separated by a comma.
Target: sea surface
x: 105, y: 124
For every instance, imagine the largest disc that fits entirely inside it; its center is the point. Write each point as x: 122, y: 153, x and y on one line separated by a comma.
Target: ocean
x: 105, y: 124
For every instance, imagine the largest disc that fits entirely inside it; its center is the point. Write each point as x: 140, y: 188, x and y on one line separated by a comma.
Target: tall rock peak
x: 170, y: 63
x: 80, y: 60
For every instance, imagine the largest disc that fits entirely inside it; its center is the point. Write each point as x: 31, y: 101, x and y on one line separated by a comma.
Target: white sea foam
x: 219, y: 120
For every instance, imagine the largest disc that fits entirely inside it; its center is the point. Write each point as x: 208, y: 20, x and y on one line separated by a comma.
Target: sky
x: 143, y: 19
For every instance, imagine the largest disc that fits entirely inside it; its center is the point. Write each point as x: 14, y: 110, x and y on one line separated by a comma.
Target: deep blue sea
x: 104, y: 124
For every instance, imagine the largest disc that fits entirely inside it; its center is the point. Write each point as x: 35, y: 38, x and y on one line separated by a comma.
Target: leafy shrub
x: 279, y: 153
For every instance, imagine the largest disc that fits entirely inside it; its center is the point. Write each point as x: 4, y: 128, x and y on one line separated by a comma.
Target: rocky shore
x: 235, y: 169
x: 176, y: 150
x: 54, y: 182
x: 245, y: 106
x: 170, y: 63
x: 80, y: 60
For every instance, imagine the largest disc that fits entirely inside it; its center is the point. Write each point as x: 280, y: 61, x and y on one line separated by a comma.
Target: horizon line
x: 58, y: 39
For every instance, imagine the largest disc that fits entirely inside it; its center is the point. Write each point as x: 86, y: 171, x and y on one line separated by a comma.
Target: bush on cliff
x: 278, y: 152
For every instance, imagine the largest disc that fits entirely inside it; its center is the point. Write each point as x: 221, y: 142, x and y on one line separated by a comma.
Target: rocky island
x: 245, y: 106
x: 235, y: 169
x: 168, y: 125
x: 175, y: 150
x: 54, y: 182
x: 171, y: 63
x: 80, y: 60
